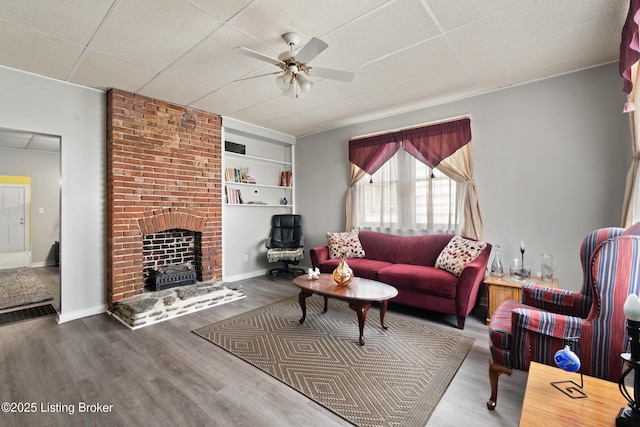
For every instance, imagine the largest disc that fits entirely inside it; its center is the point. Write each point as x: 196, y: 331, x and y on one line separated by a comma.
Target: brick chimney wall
x: 163, y: 171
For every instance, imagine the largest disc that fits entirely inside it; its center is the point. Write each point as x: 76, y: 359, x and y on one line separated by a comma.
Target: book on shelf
x: 239, y: 175
x: 233, y: 196
x: 248, y: 179
x: 285, y: 179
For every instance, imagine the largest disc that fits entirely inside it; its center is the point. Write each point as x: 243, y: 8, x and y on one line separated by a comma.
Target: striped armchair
x: 591, y: 321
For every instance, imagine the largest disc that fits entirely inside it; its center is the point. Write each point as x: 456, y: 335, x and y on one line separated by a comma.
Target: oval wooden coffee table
x: 360, y: 293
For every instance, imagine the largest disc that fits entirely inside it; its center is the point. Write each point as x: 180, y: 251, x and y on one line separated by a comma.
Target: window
x: 408, y: 197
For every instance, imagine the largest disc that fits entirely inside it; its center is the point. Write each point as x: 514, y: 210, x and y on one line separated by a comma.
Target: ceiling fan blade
x: 345, y: 76
x: 258, y: 55
x: 311, y: 50
x: 259, y: 75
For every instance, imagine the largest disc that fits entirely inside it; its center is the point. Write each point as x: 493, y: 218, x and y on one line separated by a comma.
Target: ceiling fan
x: 292, y: 80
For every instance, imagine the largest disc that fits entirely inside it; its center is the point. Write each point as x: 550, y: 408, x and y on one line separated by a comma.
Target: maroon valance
x: 429, y: 144
x: 629, y: 47
x: 372, y: 152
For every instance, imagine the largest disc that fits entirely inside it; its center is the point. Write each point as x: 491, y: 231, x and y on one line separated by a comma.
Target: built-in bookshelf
x: 253, y: 169
x: 258, y: 181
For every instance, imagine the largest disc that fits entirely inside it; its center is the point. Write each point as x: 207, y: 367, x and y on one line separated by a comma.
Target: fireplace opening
x: 169, y: 259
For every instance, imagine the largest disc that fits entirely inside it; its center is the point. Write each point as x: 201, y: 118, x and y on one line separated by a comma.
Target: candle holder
x: 519, y: 269
x: 630, y: 416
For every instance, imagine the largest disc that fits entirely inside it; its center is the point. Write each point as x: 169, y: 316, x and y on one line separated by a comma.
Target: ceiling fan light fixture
x: 283, y: 81
x: 293, y: 67
x: 304, y: 83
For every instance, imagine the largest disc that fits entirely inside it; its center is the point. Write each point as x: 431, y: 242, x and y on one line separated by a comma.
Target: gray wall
x: 44, y: 169
x: 76, y: 114
x: 550, y: 161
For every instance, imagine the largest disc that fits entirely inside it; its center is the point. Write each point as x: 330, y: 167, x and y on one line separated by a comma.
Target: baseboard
x: 244, y: 276
x: 43, y: 264
x: 78, y: 314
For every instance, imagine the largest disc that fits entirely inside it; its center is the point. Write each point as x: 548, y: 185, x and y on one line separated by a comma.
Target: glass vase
x: 343, y: 273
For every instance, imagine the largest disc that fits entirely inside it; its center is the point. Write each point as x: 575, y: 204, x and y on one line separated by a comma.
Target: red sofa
x: 408, y: 264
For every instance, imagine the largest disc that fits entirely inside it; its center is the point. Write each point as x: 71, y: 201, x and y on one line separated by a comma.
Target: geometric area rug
x: 19, y: 287
x: 396, y: 379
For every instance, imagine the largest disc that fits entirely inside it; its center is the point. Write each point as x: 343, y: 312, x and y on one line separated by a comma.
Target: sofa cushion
x: 380, y: 246
x: 348, y: 243
x: 362, y: 267
x: 429, y: 280
x: 458, y: 253
x: 422, y: 250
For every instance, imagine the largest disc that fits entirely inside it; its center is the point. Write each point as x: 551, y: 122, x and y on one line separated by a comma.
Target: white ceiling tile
x: 100, y: 71
x: 167, y: 87
x: 47, y: 56
x: 154, y: 33
x: 423, y: 58
x: 548, y: 56
x: 256, y: 90
x: 336, y: 113
x: 214, y: 62
x: 221, y: 103
x: 267, y: 20
x: 44, y: 143
x: 451, y: 81
x: 259, y: 114
x: 28, y: 141
x: 71, y: 20
x: 523, y: 23
x: 14, y: 141
x: 393, y: 27
x: 454, y: 14
x: 223, y: 9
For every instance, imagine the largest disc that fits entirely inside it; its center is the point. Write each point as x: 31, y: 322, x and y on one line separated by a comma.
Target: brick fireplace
x: 163, y: 175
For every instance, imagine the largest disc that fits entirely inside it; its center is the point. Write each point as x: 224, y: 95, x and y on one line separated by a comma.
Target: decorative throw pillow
x: 348, y: 242
x: 458, y: 253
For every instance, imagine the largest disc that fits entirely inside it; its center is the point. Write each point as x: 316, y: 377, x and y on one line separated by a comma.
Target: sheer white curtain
x: 407, y: 197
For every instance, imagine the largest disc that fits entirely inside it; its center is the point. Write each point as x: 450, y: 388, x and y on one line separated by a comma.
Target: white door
x: 14, y: 217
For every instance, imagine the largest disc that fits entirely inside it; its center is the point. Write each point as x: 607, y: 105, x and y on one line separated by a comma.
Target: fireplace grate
x: 171, y: 279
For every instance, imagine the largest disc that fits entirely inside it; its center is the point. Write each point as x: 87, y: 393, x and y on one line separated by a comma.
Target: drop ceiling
x: 405, y: 54
x: 19, y: 140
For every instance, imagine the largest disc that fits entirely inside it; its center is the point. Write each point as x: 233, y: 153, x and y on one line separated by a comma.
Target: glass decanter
x: 497, y: 269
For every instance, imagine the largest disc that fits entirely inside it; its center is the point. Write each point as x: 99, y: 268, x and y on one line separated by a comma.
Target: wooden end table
x: 360, y: 293
x: 500, y: 289
x: 546, y: 406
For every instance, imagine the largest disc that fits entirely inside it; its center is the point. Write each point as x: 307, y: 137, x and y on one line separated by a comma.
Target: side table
x: 545, y: 406
x: 500, y: 289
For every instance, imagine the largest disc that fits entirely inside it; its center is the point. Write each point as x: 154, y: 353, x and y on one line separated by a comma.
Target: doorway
x: 15, y: 249
x: 30, y: 205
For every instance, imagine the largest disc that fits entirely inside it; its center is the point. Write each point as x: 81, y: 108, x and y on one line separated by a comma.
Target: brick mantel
x: 163, y: 172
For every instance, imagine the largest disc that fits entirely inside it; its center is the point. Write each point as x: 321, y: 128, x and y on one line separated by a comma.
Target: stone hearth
x: 153, y: 307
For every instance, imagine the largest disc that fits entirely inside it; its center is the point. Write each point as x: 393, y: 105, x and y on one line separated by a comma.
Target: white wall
x: 550, y: 164
x: 43, y: 168
x: 77, y: 114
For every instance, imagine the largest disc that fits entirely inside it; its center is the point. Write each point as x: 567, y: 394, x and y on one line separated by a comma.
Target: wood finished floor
x: 164, y: 375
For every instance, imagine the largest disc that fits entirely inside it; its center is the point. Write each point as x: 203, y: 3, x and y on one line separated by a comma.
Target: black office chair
x: 285, y: 244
